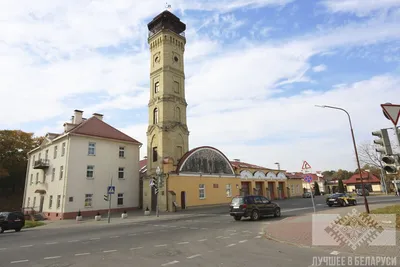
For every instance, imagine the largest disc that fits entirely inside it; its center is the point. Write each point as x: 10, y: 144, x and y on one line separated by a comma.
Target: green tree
x: 14, y: 146
x: 316, y: 189
x: 340, y: 186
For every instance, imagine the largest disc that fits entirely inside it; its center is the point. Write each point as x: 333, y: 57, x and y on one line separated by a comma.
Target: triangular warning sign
x: 392, y: 111
x: 305, y: 165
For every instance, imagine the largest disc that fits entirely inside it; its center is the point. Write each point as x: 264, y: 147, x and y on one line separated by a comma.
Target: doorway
x: 41, y: 203
x: 183, y: 200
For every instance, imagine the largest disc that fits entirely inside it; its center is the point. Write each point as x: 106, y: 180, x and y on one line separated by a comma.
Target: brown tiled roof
x: 367, y: 178
x: 241, y: 164
x: 294, y: 175
x: 98, y: 128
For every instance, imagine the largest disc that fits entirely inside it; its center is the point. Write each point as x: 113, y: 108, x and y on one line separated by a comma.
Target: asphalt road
x: 214, y: 239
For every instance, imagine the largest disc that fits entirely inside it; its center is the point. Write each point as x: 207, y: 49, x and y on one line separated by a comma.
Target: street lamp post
x: 355, y: 150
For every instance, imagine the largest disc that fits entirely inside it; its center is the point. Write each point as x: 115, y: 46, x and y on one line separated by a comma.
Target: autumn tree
x: 340, y: 186
x: 316, y: 189
x: 14, y: 146
x: 342, y: 174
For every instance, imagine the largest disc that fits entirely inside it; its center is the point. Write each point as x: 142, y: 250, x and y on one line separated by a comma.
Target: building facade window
x: 55, y: 151
x: 156, y: 87
x: 50, y: 202
x: 29, y: 203
x: 121, y: 174
x: 44, y: 177
x: 58, y: 201
x: 155, y: 116
x: 33, y: 161
x: 61, y: 172
x: 90, y: 171
x: 178, y: 114
x: 53, y: 174
x: 122, y: 152
x: 34, y: 202
x: 88, y: 200
x: 228, y: 190
x: 176, y: 87
x: 292, y: 189
x: 63, y: 149
x: 202, y: 191
x: 92, y: 149
x: 155, y: 154
x: 37, y: 178
x: 40, y: 156
x: 120, y: 200
x: 31, y: 178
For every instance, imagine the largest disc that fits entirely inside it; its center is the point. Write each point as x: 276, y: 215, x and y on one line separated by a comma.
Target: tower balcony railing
x: 150, y: 34
x: 41, y: 164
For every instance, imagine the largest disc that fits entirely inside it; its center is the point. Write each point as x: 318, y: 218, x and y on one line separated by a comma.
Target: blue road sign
x: 111, y: 190
x: 308, y: 179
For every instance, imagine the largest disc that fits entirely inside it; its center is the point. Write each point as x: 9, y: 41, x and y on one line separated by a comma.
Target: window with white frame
x: 122, y: 152
x: 31, y: 182
x: 61, y: 172
x: 58, y: 201
x: 44, y: 177
x: 34, y: 202
x: 63, y: 149
x: 88, y: 200
x: 121, y: 173
x: 29, y: 202
x: 297, y: 188
x: 53, y: 174
x: 92, y: 149
x: 37, y: 178
x: 120, y: 200
x: 228, y: 190
x: 50, y: 202
x: 55, y: 151
x: 202, y: 191
x: 90, y: 171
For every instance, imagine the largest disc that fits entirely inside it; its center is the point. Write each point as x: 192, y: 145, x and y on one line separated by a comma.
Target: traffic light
x: 155, y: 185
x: 106, y: 197
x: 383, y: 142
x: 390, y: 164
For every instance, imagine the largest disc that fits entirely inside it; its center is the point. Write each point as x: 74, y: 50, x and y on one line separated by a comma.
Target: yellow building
x: 201, y: 176
x: 295, y: 184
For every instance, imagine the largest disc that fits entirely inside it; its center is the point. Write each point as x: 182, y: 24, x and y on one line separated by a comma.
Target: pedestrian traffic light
x: 390, y: 164
x: 155, y: 185
x: 383, y: 142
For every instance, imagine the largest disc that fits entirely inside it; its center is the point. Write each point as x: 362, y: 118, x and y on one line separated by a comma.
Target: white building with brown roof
x: 71, y: 171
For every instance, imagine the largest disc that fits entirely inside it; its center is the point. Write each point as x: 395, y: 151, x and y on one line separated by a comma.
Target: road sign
x: 111, y: 190
x: 308, y: 179
x: 391, y: 112
x: 306, y: 166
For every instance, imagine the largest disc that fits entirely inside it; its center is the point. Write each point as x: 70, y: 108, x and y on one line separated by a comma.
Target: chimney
x: 77, y: 116
x: 98, y: 115
x: 237, y: 160
x: 68, y: 127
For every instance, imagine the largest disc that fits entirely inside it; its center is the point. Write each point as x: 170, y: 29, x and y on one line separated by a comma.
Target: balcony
x: 41, y: 164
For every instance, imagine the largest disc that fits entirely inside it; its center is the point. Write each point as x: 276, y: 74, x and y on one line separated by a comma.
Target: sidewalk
x: 298, y: 231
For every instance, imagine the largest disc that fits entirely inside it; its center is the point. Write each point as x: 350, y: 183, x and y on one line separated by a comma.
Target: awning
x: 40, y: 191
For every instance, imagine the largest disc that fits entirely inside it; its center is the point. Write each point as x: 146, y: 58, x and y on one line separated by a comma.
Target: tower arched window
x: 155, y: 116
x: 156, y: 87
x: 178, y: 114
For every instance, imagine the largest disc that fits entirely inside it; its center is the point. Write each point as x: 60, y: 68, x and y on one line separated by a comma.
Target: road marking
x: 247, y: 231
x: 260, y: 233
x: 234, y: 233
x: 96, y: 238
x: 202, y: 240
x: 173, y: 226
x: 243, y: 241
x: 132, y: 234
x: 182, y: 243
x: 82, y: 254
x: 231, y: 245
x: 320, y: 204
x: 109, y: 251
x: 136, y: 248
x: 258, y: 236
x: 26, y: 246
x: 51, y: 258
x: 72, y: 241
x: 218, y: 237
x: 283, y: 211
x: 226, y: 237
x: 162, y: 245
x: 335, y: 252
x: 51, y: 243
x: 193, y: 256
x: 170, y: 263
x: 148, y: 233
x: 231, y: 230
x: 114, y: 236
x: 193, y: 228
x: 19, y: 261
x: 204, y: 228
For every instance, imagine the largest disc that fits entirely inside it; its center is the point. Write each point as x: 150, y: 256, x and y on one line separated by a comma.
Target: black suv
x: 11, y: 221
x: 254, y: 207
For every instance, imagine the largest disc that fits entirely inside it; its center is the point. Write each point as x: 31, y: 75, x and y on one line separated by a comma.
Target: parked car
x: 340, y: 199
x: 254, y: 207
x: 308, y: 195
x: 11, y: 221
x: 360, y: 192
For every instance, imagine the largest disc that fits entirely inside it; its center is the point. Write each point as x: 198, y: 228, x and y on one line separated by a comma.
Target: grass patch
x: 393, y: 209
x: 31, y: 224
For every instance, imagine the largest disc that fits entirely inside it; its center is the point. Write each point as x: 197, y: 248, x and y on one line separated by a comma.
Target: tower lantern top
x: 166, y: 20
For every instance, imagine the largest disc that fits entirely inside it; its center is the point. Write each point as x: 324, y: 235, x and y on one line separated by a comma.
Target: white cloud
x: 320, y: 68
x: 359, y: 7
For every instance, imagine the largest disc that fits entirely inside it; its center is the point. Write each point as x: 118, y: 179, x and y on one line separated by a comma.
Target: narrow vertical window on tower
x: 178, y: 114
x: 155, y: 154
x: 156, y: 87
x: 155, y: 116
x: 176, y: 87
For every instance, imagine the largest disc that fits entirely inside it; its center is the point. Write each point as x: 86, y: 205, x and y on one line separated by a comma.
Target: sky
x: 255, y: 69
